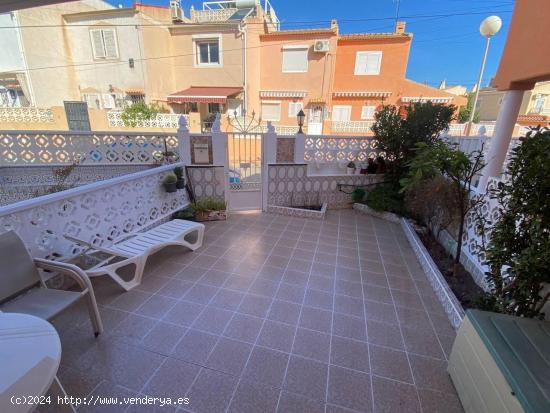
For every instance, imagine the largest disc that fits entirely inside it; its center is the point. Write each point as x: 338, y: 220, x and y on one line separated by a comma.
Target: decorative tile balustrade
x: 325, y: 148
x: 98, y: 213
x: 161, y: 120
x: 215, y: 15
x: 53, y: 147
x: 26, y: 115
x: 352, y: 126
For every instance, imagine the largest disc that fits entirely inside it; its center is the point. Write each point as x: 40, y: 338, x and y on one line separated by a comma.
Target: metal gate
x: 244, y: 152
x: 77, y: 116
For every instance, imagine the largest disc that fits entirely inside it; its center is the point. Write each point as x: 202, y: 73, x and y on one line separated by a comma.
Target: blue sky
x: 448, y: 47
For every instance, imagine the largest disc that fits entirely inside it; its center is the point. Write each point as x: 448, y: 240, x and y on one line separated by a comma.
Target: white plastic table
x: 30, y: 352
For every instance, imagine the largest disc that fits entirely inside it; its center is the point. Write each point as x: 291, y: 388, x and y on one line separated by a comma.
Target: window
x: 104, y: 43
x: 271, y: 110
x: 540, y: 101
x: 368, y: 63
x: 341, y: 113
x: 367, y: 112
x: 208, y: 52
x: 294, y: 108
x: 214, y: 108
x: 92, y: 99
x: 295, y: 59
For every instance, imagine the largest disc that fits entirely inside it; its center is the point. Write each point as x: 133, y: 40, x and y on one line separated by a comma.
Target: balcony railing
x: 161, y: 120
x: 352, y: 126
x: 62, y: 147
x: 326, y: 148
x: 26, y: 115
x: 98, y: 213
x: 214, y: 15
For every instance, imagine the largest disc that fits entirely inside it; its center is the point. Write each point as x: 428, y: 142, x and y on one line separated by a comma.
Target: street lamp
x: 488, y: 28
x: 301, y: 116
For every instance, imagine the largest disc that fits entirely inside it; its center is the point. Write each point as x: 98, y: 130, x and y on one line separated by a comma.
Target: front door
x: 315, y: 121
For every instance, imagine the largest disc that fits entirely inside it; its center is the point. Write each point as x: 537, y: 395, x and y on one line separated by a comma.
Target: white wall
x: 11, y: 58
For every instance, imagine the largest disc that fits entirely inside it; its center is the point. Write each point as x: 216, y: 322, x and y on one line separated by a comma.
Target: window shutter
x: 367, y: 112
x: 295, y: 60
x: 108, y: 101
x: 341, y: 113
x: 368, y: 63
x: 271, y: 111
x: 294, y: 108
x: 109, y: 39
x: 97, y: 44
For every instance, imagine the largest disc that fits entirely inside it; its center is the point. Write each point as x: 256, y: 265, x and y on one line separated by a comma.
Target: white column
x: 269, y: 156
x: 502, y: 135
x: 184, y: 143
x: 299, y: 147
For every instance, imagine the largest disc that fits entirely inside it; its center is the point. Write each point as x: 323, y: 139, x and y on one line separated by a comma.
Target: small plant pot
x: 171, y: 187
x: 350, y: 171
x: 180, y: 184
x: 211, y: 216
x: 363, y: 171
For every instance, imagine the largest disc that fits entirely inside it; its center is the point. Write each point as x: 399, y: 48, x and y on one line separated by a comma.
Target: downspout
x: 244, y: 48
x: 32, y: 98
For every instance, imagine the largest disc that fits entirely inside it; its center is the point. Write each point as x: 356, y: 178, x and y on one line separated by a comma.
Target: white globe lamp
x: 490, y: 26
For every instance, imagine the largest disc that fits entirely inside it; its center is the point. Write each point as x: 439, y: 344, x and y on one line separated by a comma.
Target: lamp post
x: 488, y: 28
x: 301, y: 116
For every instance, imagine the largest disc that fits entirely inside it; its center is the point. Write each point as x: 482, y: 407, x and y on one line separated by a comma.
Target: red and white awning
x: 433, y: 99
x: 361, y: 93
x: 204, y: 94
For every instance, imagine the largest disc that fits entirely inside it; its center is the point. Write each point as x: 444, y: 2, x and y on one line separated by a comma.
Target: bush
x: 386, y: 198
x: 398, y: 135
x: 139, y: 111
x: 208, y: 204
x: 178, y: 171
x: 358, y: 194
x: 465, y: 111
x: 170, y: 178
x: 518, y: 253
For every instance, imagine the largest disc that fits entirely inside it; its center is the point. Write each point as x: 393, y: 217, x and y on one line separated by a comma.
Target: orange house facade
x: 340, y: 81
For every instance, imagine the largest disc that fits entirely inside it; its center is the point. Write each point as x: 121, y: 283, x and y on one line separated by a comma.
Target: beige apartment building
x: 201, y: 61
x: 534, y: 110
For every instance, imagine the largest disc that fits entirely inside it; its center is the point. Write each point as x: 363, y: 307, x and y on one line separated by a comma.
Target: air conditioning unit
x: 176, y: 11
x: 321, y: 46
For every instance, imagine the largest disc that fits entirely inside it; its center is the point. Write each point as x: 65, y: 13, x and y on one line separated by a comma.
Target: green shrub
x: 178, y: 171
x: 518, y: 252
x: 358, y: 194
x: 386, y: 198
x: 170, y: 178
x: 208, y: 204
x: 139, y: 111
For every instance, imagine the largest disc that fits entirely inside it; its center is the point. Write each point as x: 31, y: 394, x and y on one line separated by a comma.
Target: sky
x: 446, y: 40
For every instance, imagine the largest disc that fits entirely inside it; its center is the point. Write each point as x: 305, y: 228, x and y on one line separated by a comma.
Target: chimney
x: 400, y: 27
x: 334, y: 25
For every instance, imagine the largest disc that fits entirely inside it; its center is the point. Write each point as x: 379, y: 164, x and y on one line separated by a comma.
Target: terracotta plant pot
x: 211, y: 216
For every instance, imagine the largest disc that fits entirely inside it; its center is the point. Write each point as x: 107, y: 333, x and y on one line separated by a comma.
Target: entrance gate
x: 244, y: 152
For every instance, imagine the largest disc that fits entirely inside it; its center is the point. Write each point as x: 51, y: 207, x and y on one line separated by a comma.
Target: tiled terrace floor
x: 271, y: 314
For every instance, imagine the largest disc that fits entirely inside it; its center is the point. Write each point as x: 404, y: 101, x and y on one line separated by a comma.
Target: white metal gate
x: 244, y: 152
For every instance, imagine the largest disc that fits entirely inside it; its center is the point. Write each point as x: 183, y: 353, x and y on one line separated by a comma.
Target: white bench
x: 135, y: 249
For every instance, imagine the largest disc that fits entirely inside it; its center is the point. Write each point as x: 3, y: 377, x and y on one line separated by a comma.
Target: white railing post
x: 299, y: 147
x: 184, y: 141
x: 219, y: 143
x: 270, y: 145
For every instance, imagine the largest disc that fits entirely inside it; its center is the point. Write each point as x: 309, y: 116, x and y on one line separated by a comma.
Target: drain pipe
x: 242, y: 31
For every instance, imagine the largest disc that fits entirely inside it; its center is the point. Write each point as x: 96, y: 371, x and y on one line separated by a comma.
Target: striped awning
x: 434, y: 99
x: 361, y: 93
x: 135, y: 91
x: 283, y: 93
x: 204, y: 94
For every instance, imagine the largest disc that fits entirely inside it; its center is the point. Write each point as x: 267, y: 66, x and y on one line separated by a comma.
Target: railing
x: 352, y: 126
x: 326, y: 148
x: 98, y: 213
x: 26, y: 115
x: 215, y: 15
x: 161, y: 120
x: 62, y: 147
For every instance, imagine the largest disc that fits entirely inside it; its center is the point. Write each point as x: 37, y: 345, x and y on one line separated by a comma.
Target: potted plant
x: 358, y: 194
x: 350, y: 169
x: 363, y: 168
x: 209, y: 209
x: 169, y: 182
x: 178, y: 171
